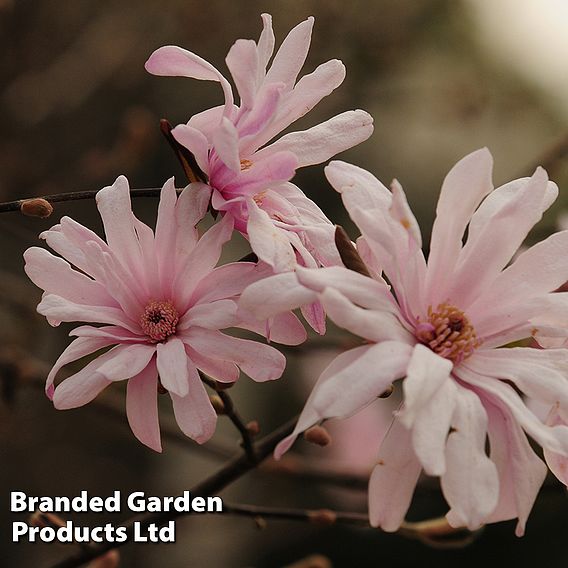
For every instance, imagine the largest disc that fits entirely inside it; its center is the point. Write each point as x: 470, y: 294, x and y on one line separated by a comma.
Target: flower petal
x: 393, y: 479
x: 243, y: 61
x: 319, y: 143
x: 194, y: 413
x: 260, y: 362
x: 274, y: 295
x: 470, y: 483
x: 142, y: 407
x: 173, y: 61
x: 521, y: 471
x: 292, y: 54
x: 467, y: 183
x: 172, y: 362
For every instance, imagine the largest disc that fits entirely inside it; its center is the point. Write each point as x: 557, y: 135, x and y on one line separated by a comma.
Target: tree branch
x: 76, y: 196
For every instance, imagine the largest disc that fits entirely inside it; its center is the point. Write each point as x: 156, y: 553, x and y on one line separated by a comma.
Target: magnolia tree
x: 473, y: 339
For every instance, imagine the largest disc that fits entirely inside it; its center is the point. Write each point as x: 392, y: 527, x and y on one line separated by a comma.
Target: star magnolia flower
x: 249, y: 179
x: 443, y: 328
x: 161, y: 303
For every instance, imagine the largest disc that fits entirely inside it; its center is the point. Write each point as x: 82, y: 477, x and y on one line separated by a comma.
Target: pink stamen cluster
x: 159, y: 320
x: 448, y: 333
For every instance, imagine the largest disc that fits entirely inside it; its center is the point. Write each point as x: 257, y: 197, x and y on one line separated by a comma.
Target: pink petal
x: 55, y: 276
x: 429, y: 402
x: 358, y: 188
x: 373, y: 325
x: 121, y: 362
x: 307, y: 93
x: 265, y: 44
x: 471, y: 483
x: 201, y: 261
x: 488, y: 250
x: 521, y: 472
x: 165, y: 240
x: 194, y: 413
x: 310, y: 415
x: 172, y: 61
x: 393, y: 480
x: 270, y: 244
x: 467, y: 183
x: 115, y: 208
x: 540, y: 374
x: 242, y: 61
x: 229, y: 280
x: 320, y: 143
x: 75, y: 350
x: 283, y: 328
x: 258, y: 117
x: 315, y: 316
x: 191, y: 207
x: 173, y: 366
x: 364, y: 380
x: 58, y: 309
x: 260, y: 362
x: 276, y: 294
x: 222, y: 371
x: 540, y: 269
x: 213, y: 315
x: 554, y: 438
x: 279, y: 167
x: 426, y: 374
x: 361, y: 290
x: 225, y: 141
x: 292, y: 54
x: 196, y: 142
x: 142, y: 407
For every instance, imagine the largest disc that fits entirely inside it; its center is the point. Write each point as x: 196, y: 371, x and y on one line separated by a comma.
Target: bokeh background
x: 440, y: 77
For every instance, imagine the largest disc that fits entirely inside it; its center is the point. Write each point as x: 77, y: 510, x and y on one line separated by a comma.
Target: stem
x: 77, y: 196
x: 316, y: 516
x: 223, y: 477
x: 232, y: 413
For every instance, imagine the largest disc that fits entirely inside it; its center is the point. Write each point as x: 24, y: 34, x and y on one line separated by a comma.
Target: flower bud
x: 36, y: 207
x: 317, y: 435
x: 322, y: 517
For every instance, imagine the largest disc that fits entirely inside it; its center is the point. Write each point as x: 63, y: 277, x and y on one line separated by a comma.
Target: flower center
x: 448, y: 333
x: 245, y: 165
x: 159, y: 320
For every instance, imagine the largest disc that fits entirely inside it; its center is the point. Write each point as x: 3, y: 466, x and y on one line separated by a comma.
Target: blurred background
x: 440, y: 77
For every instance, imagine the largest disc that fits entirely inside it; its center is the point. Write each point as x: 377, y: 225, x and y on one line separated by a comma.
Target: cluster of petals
x: 158, y: 303
x: 445, y: 327
x: 248, y: 175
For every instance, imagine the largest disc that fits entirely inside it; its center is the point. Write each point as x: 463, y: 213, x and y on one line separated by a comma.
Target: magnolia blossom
x: 249, y: 179
x: 444, y: 327
x: 161, y: 303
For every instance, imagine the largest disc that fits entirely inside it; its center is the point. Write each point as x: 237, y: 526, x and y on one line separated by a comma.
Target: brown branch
x: 75, y: 196
x: 232, y: 413
x: 229, y: 473
x: 315, y: 516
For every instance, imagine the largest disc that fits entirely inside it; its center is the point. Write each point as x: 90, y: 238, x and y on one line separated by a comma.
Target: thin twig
x: 213, y: 484
x: 316, y: 516
x: 77, y: 196
x: 232, y: 413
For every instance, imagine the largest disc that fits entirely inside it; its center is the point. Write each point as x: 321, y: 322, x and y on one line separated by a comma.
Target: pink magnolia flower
x: 161, y: 303
x: 443, y: 327
x: 248, y: 178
